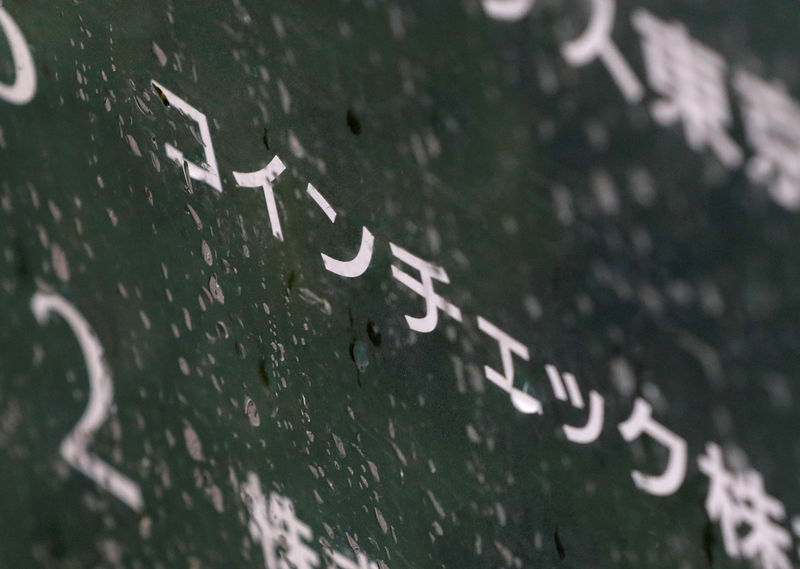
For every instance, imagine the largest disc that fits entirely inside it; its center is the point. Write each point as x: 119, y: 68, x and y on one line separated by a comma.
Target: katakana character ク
x: 565, y: 387
x: 358, y: 264
x: 747, y: 515
x: 523, y: 402
x: 596, y: 42
x: 641, y: 421
x: 263, y: 179
x: 772, y: 124
x: 342, y: 561
x: 283, y: 537
x: 691, y: 79
x: 208, y: 172
x: 433, y: 302
x: 507, y: 10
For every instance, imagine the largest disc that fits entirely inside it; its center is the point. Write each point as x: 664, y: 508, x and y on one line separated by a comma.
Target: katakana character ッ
x: 22, y: 90
x: 263, y: 179
x: 283, y: 537
x: 358, y: 264
x: 433, y: 302
x: 507, y: 10
x: 572, y: 393
x: 772, y: 124
x: 641, y: 421
x: 747, y: 515
x: 691, y: 79
x: 207, y: 172
x: 523, y: 402
x: 596, y: 43
x: 342, y: 561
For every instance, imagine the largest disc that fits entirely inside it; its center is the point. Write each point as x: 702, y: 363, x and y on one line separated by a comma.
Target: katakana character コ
x: 263, y: 179
x: 596, y: 42
x: 641, y: 422
x: 565, y: 387
x: 509, y: 347
x: 691, y: 79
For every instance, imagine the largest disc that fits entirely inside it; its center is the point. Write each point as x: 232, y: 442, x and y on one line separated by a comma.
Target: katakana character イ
x: 263, y: 179
x: 208, y: 172
x: 283, y: 537
x: 523, y: 402
x: 507, y: 10
x: 358, y: 264
x: 565, y: 387
x: 747, y: 515
x: 433, y: 302
x: 641, y: 421
x: 691, y: 79
x: 596, y: 43
x: 772, y: 124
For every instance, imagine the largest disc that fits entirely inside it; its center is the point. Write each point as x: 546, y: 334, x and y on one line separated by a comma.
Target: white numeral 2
x: 101, y: 395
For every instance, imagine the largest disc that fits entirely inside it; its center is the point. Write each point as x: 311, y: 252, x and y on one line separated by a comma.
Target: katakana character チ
x: 747, y: 515
x: 263, y: 179
x: 596, y: 43
x: 691, y: 79
x: 507, y: 10
x: 208, y: 172
x: 523, y: 402
x: 283, y: 537
x: 572, y: 393
x: 433, y: 302
x: 772, y: 124
x: 641, y: 421
x: 358, y: 264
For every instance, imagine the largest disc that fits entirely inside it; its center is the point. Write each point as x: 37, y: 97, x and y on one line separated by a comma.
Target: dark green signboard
x: 367, y: 284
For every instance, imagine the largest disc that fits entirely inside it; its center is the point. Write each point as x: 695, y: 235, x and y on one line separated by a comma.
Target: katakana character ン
x: 341, y: 561
x: 747, y: 515
x: 565, y: 387
x: 691, y: 79
x: 772, y: 125
x: 507, y: 10
x: 641, y: 421
x: 263, y: 179
x: 283, y: 537
x: 433, y: 302
x: 358, y: 264
x: 596, y: 43
x: 523, y: 402
x: 207, y: 172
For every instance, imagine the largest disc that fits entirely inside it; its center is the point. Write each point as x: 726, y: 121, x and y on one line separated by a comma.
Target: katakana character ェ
x: 341, y: 561
x: 507, y: 10
x: 641, y: 421
x: 358, y: 264
x: 208, y: 172
x: 772, y: 124
x: 523, y: 402
x: 691, y: 78
x: 433, y: 302
x: 283, y: 537
x: 596, y: 42
x: 263, y: 179
x: 572, y: 393
x: 747, y: 515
